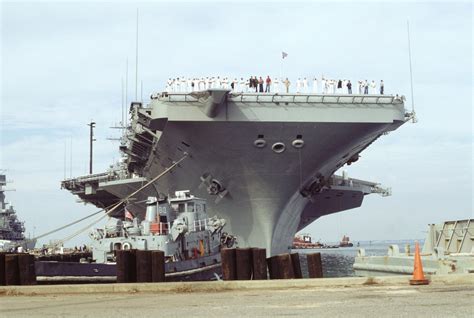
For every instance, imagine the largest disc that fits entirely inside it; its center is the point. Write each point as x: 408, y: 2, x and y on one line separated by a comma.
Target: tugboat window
x: 181, y: 208
x: 190, y: 206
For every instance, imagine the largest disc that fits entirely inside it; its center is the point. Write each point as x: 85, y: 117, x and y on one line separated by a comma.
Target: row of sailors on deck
x: 260, y: 85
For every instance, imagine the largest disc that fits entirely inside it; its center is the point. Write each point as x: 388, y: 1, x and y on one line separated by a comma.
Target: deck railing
x: 277, y: 98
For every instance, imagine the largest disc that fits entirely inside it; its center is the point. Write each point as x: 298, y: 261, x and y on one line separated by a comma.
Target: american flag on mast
x: 128, y: 214
x: 283, y: 55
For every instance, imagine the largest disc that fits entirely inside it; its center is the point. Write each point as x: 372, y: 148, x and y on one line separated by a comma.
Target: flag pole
x: 281, y: 67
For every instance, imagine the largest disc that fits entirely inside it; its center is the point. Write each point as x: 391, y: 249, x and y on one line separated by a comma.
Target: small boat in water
x: 304, y: 241
x: 345, y: 242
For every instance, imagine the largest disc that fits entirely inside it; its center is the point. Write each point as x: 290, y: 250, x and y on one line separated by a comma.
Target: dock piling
x: 229, y: 271
x: 281, y: 267
x: 243, y: 262
x: 26, y: 268
x: 2, y: 268
x: 143, y: 263
x: 295, y: 260
x: 315, y: 267
x: 259, y: 264
x: 157, y: 266
x: 12, y: 271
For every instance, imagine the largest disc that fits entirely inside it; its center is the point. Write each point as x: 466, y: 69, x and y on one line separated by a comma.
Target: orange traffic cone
x: 418, y: 276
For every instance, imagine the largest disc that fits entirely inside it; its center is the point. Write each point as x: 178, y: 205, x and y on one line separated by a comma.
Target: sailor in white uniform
x: 324, y: 86
x: 373, y: 88
x: 188, y: 85
x: 298, y: 86
x: 332, y: 87
x: 176, y: 85
x: 241, y: 85
x: 169, y: 84
x: 315, y: 85
x: 305, y: 85
x: 276, y: 85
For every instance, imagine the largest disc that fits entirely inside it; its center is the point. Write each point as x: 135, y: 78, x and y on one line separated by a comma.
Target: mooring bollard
x: 315, y: 267
x: 281, y: 267
x: 228, y: 264
x: 12, y: 271
x: 295, y: 260
x: 126, y: 266
x: 143, y: 261
x: 259, y: 263
x: 2, y: 268
x: 26, y: 267
x: 243, y: 262
x: 157, y: 266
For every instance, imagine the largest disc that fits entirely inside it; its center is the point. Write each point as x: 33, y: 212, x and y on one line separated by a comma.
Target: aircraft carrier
x: 264, y: 162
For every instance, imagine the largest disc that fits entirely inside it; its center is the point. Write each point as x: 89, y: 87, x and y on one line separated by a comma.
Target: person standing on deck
x: 365, y: 84
x: 324, y: 87
x: 287, y: 84
x: 315, y: 86
x: 177, y: 85
x: 298, y: 86
x: 169, y: 84
x: 268, y: 82
x: 260, y: 84
x: 349, y: 87
x: 305, y: 85
x: 331, y: 86
x: 381, y: 87
x: 241, y: 85
x: 339, y: 87
x: 373, y: 87
x: 276, y: 85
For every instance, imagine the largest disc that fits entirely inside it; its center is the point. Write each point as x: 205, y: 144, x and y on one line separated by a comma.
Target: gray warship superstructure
x: 264, y: 162
x: 11, y: 228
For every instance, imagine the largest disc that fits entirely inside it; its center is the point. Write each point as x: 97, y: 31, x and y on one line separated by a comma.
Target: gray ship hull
x: 269, y: 195
x: 263, y: 205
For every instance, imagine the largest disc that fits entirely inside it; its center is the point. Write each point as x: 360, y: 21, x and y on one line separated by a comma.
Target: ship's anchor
x: 214, y: 187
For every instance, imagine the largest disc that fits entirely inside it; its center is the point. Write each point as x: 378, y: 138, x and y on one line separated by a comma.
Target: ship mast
x: 411, y: 74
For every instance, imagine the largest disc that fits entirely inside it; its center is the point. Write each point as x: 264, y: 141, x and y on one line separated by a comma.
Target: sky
x: 63, y: 64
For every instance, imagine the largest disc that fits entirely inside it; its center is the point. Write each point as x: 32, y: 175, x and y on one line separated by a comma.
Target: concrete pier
x: 446, y: 296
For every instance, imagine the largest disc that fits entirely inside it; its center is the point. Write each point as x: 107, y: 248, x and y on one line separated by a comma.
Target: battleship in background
x: 11, y: 229
x: 264, y: 162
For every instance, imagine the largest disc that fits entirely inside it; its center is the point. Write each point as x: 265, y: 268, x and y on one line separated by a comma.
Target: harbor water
x: 337, y: 262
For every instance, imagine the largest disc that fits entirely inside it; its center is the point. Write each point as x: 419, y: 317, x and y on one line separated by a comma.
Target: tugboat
x: 12, y: 230
x: 304, y: 241
x: 178, y: 226
x: 345, y: 242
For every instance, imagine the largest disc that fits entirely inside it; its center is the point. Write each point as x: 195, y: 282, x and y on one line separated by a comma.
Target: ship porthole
x: 298, y: 143
x: 260, y: 143
x: 126, y: 246
x: 278, y: 147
